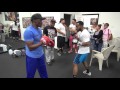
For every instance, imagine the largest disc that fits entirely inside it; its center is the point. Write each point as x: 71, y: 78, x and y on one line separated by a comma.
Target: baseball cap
x: 80, y: 23
x: 37, y: 16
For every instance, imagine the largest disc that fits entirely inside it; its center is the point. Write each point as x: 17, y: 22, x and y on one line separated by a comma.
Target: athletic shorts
x: 15, y: 33
x: 80, y: 58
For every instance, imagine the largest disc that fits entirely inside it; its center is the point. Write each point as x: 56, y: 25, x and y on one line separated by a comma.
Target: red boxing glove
x: 45, y: 39
x: 51, y: 43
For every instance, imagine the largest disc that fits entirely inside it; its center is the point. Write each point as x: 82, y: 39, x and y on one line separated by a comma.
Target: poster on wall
x: 93, y: 21
x: 46, y: 21
x: 90, y: 19
x: 26, y: 21
x: 11, y: 16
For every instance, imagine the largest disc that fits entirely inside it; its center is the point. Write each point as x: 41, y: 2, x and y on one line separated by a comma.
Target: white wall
x: 113, y: 18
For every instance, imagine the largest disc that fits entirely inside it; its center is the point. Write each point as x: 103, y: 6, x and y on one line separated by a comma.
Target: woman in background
x: 98, y: 38
x: 92, y: 31
x: 15, y: 28
x: 2, y: 36
x: 19, y: 32
x: 106, y: 35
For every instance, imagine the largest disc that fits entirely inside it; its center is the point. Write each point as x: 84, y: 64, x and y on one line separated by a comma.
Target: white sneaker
x: 85, y: 72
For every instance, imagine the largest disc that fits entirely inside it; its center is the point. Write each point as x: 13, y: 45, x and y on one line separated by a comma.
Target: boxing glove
x: 51, y: 43
x: 45, y: 39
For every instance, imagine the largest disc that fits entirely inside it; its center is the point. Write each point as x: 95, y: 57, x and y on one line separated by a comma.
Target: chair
x: 101, y: 56
x: 116, y: 49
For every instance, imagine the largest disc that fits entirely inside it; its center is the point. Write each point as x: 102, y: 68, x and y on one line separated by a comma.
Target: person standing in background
x: 92, y: 31
x: 15, y: 27
x: 73, y: 32
x: 19, y: 31
x: 67, y: 36
x: 51, y: 32
x: 106, y: 35
x: 98, y: 38
x: 35, y: 58
x: 2, y: 32
x: 61, y: 34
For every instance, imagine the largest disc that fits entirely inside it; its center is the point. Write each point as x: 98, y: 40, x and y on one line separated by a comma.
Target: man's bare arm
x: 33, y: 46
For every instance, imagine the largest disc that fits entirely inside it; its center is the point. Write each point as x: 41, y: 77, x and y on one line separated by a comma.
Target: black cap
x: 37, y: 16
x: 80, y: 23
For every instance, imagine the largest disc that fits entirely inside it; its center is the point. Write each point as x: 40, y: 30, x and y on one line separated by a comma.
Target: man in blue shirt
x: 34, y: 50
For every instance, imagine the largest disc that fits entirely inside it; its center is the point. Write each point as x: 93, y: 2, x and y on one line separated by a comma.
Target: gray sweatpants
x: 49, y: 53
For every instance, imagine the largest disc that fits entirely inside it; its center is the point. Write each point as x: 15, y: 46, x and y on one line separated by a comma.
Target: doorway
x: 67, y: 18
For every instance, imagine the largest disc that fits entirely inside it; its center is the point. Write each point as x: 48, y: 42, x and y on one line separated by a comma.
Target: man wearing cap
x: 84, y: 50
x: 51, y: 32
x: 35, y: 58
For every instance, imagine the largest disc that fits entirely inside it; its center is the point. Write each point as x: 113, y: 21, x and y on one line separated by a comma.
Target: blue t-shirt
x: 33, y: 34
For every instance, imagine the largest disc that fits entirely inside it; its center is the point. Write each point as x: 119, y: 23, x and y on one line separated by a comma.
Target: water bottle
x: 4, y: 48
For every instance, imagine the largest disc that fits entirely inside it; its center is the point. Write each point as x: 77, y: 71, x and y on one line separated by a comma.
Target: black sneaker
x: 53, y: 60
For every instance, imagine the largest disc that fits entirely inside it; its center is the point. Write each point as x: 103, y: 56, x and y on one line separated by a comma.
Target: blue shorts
x: 80, y: 58
x: 32, y: 64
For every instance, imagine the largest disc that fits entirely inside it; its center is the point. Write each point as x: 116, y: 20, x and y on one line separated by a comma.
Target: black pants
x: 15, y: 33
x: 67, y: 44
x: 60, y: 42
